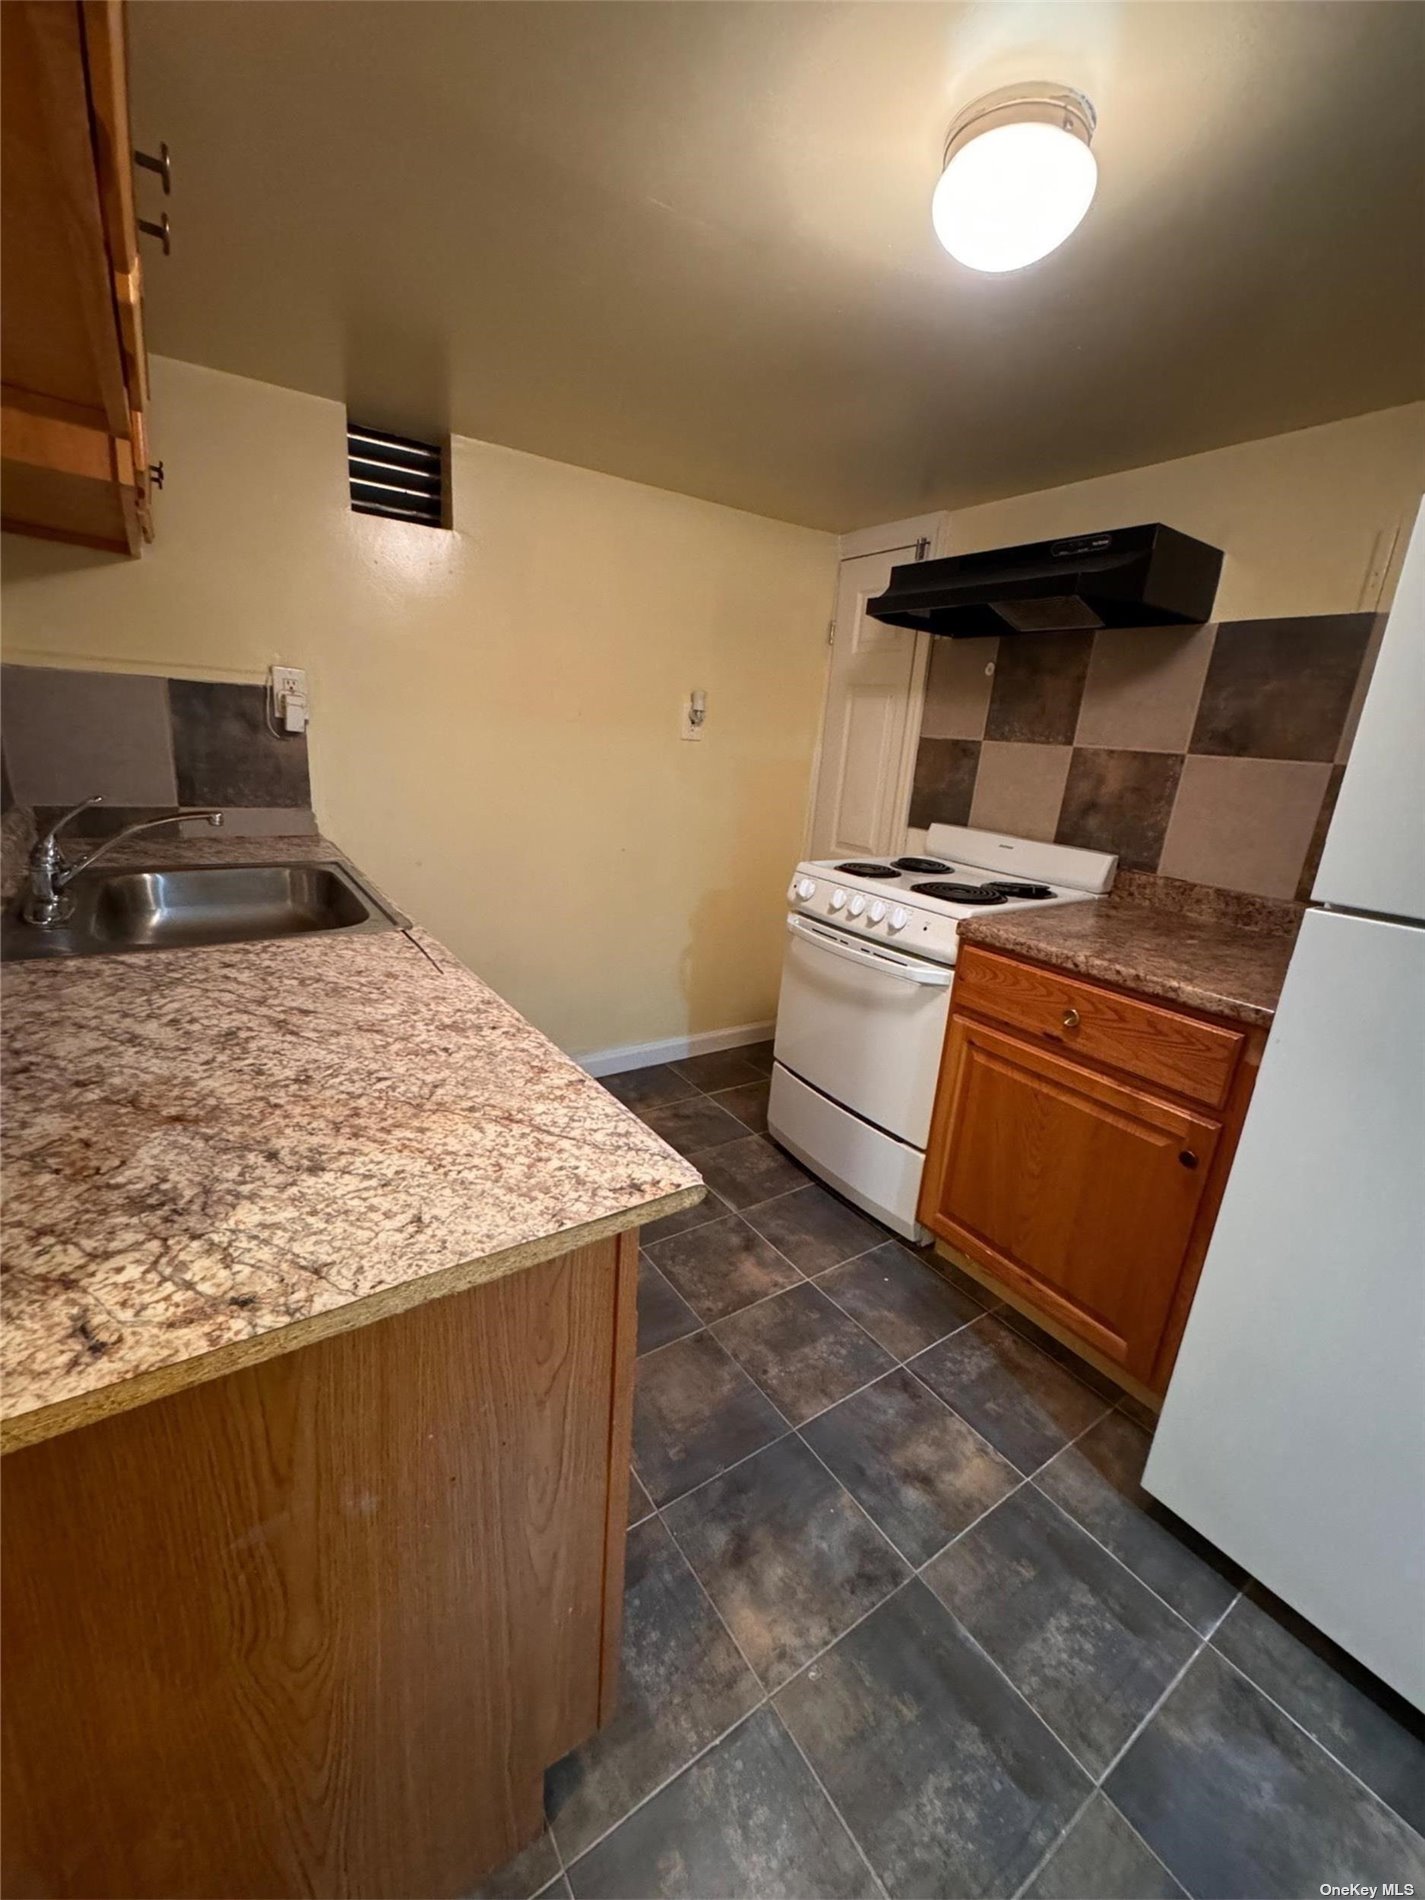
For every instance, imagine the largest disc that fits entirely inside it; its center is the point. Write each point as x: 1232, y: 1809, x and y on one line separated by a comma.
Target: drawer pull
x: 1188, y: 1158
x: 1071, y: 1019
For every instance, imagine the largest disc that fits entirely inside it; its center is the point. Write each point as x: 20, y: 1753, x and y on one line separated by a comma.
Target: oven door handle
x: 930, y: 976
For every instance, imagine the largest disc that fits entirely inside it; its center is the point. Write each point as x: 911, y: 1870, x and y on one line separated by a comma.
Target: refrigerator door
x: 1293, y: 1434
x: 1375, y: 849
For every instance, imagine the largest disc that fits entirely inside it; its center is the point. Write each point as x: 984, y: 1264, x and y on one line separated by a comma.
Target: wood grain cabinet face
x: 1079, y: 1149
x: 73, y: 460
x: 1077, y: 1190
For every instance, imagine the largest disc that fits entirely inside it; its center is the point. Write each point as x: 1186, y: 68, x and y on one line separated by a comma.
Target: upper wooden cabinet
x: 72, y: 361
x: 1079, y: 1149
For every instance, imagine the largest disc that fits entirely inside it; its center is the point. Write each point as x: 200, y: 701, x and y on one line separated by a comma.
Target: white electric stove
x: 866, y: 983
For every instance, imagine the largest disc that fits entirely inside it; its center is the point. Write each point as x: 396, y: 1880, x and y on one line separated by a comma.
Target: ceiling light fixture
x: 1018, y: 176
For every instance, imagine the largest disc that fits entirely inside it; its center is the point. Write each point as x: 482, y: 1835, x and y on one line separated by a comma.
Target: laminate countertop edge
x: 85, y: 1408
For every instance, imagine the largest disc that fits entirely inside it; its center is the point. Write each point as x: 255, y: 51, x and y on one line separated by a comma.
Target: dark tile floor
x: 900, y: 1620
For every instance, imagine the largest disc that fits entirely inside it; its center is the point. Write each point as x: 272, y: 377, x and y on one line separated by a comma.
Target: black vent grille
x: 393, y: 476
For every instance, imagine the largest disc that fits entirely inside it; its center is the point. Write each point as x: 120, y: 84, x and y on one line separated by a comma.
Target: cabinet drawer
x: 1164, y: 1046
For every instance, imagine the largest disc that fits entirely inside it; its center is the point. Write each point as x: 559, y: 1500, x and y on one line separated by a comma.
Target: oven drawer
x: 1187, y: 1054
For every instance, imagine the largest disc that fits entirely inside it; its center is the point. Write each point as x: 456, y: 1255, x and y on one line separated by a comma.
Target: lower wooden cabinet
x: 1088, y: 1191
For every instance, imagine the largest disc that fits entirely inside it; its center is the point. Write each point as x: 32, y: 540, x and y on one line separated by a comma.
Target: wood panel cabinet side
x: 625, y: 1348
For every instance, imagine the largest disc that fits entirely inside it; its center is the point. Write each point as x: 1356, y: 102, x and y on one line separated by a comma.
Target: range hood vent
x: 1128, y: 577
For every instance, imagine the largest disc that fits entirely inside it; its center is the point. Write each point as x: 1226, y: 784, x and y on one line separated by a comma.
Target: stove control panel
x: 930, y: 932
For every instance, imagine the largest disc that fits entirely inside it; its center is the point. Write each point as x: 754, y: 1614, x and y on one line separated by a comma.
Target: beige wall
x: 1302, y: 518
x: 495, y: 711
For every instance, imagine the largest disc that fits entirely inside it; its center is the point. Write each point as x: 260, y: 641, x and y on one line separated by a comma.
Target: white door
x: 873, y: 698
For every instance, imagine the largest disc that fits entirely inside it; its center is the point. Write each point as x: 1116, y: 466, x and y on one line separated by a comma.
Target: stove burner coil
x: 961, y: 893
x: 866, y: 870
x: 921, y: 864
x: 1008, y: 888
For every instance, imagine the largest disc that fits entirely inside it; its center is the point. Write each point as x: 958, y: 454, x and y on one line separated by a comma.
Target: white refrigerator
x: 1293, y: 1433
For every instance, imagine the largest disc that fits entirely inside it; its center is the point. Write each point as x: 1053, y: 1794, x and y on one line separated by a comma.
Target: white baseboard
x: 642, y: 1055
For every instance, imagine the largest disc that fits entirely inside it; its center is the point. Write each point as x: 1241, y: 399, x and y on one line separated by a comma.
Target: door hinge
x: 831, y: 633
x: 922, y: 547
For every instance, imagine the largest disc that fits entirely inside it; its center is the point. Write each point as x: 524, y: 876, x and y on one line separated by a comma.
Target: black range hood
x: 1128, y: 577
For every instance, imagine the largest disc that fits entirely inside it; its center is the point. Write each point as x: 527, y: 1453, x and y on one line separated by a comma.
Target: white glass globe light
x: 1013, y: 193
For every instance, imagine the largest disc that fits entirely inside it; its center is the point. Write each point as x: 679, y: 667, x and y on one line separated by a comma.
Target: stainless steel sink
x: 117, y: 911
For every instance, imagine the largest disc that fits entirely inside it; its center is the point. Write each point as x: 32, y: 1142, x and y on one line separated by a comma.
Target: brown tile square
x: 1281, y: 689
x: 1121, y: 802
x: 1143, y: 687
x: 698, y: 1215
x: 910, y: 1462
x: 1019, y: 788
x: 68, y: 734
x: 653, y: 1087
x: 681, y: 1684
x: 785, y: 1555
x: 944, y: 782
x: 224, y: 751
x: 803, y: 1350
x: 1014, y: 1395
x: 901, y: 1302
x: 663, y: 1314
x: 760, y: 1055
x: 957, y: 688
x: 696, y: 1412
x: 947, y: 1778
x: 719, y: 1069
x: 814, y: 1228
x: 1084, y: 1642
x: 693, y: 1124
x: 751, y: 1170
x: 748, y: 1104
x: 1038, y: 687
x: 723, y: 1267
x: 1244, y: 823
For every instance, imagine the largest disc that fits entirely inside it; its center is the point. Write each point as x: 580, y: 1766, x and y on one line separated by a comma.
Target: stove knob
x: 838, y: 898
x: 804, y: 888
x: 876, y: 912
x: 900, y: 917
x: 857, y: 905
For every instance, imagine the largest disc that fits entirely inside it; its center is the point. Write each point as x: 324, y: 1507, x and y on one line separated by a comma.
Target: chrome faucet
x: 46, y: 904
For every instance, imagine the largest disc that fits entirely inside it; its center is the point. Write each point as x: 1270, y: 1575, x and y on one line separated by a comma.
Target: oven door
x: 864, y: 1024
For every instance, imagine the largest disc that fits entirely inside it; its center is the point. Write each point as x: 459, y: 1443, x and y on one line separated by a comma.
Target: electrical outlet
x: 287, y: 680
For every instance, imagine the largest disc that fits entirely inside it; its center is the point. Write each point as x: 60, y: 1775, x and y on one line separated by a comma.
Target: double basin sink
x: 111, y: 912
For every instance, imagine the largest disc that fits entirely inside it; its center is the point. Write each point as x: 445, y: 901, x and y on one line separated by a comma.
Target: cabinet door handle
x: 1071, y: 1019
x: 1188, y: 1158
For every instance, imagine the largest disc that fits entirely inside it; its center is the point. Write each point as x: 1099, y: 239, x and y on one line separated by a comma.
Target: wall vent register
x: 392, y: 475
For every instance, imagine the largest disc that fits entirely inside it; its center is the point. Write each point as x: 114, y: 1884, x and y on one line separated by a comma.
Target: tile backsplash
x: 147, y: 744
x: 1211, y: 754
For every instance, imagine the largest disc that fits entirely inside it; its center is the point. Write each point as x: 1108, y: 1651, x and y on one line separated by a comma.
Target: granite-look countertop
x: 212, y: 1156
x: 1178, y: 943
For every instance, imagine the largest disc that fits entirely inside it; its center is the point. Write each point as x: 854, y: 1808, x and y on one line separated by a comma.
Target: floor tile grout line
x: 1237, y: 1670
x: 1093, y: 1538
x: 1147, y: 1845
x: 722, y: 1472
x: 842, y: 1486
x: 851, y: 1834
x: 1148, y: 1716
x: 666, y: 1782
x: 1099, y: 1780
x: 764, y: 1700
x: 1058, y: 1841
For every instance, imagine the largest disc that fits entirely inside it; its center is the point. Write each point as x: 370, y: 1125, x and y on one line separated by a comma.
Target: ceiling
x: 690, y: 243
